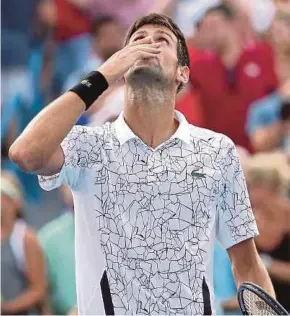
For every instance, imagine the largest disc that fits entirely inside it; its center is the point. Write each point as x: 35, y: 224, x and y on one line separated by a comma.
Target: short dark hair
x: 285, y: 110
x: 98, y: 22
x: 166, y: 21
x: 225, y: 9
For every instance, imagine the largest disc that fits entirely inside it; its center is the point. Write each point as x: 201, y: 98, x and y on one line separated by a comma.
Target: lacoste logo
x: 86, y: 82
x: 197, y: 174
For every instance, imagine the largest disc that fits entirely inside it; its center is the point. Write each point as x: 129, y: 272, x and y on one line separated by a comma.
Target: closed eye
x: 163, y: 39
x: 138, y: 38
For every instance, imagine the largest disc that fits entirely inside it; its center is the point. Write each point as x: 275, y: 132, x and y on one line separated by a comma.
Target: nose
x: 150, y: 38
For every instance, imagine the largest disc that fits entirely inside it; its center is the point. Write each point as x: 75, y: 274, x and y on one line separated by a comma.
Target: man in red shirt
x: 230, y: 77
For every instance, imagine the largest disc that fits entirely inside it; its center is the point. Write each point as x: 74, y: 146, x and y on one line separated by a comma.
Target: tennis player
x: 152, y: 193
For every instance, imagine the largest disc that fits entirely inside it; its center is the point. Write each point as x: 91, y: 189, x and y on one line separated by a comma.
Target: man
x: 72, y: 42
x: 268, y: 179
x: 61, y: 277
x: 16, y: 36
x: 151, y: 192
x: 265, y: 123
x: 106, y: 34
x: 232, y: 76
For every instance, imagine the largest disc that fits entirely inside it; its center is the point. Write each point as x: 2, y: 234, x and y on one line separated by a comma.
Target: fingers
x: 144, y: 40
x: 145, y: 51
x: 144, y: 54
x: 152, y: 48
x: 149, y: 49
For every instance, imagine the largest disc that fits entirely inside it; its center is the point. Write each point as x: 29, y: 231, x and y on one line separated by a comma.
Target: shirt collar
x: 124, y: 133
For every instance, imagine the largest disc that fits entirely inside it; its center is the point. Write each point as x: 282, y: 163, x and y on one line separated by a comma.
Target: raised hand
x: 118, y: 64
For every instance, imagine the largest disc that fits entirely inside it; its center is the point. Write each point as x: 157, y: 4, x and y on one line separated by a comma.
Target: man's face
x: 214, y: 31
x: 109, y: 39
x: 164, y: 65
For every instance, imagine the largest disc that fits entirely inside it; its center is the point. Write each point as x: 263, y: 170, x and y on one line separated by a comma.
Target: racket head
x: 253, y: 300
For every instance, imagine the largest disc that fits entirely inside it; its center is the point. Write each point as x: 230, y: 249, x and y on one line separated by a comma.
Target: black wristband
x: 90, y: 88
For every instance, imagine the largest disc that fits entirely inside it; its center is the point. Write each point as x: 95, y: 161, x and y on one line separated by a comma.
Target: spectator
x: 232, y: 76
x: 70, y: 26
x: 57, y: 240
x: 16, y: 36
x: 17, y: 113
x: 268, y: 193
x: 106, y: 39
x: 127, y: 11
x: 285, y: 122
x: 264, y: 125
x: 23, y: 282
x: 259, y: 13
x: 189, y: 12
x: 107, y: 34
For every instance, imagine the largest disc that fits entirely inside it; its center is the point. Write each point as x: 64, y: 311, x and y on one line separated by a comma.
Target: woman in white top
x: 23, y: 281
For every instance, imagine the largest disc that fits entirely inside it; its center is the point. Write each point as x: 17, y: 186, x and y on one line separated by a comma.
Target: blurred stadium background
x: 240, y: 86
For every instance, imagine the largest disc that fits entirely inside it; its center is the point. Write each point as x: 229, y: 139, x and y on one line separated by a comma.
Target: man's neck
x: 232, y: 52
x: 150, y: 115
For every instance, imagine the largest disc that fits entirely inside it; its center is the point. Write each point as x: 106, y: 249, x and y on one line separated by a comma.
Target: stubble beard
x: 150, y: 87
x: 148, y: 78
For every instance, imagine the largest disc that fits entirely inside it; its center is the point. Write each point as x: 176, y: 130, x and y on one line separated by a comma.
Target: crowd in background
x: 239, y: 86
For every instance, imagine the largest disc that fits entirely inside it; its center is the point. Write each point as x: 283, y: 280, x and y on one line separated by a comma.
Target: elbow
x: 25, y: 159
x: 39, y: 294
x: 259, y: 144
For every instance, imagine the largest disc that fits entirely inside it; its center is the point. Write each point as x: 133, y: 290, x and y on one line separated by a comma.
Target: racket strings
x: 255, y: 305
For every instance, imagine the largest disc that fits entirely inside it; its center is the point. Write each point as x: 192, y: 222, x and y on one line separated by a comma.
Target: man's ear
x: 182, y: 74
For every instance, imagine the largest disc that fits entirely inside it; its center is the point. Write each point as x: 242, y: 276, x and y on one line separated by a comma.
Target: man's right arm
x: 37, y: 149
x: 266, y: 138
x: 263, y: 126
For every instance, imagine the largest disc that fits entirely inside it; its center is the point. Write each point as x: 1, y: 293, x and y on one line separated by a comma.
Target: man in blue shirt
x: 263, y: 123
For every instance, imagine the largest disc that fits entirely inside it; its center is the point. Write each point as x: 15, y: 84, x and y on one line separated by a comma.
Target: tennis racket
x: 253, y: 300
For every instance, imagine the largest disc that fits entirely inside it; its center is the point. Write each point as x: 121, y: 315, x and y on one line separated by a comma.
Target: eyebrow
x: 146, y: 33
x: 165, y: 33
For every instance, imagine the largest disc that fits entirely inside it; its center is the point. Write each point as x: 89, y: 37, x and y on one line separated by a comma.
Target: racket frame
x: 261, y: 293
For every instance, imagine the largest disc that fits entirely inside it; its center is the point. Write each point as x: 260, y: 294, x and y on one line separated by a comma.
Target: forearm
x: 266, y: 139
x: 254, y: 272
x: 40, y: 139
x: 28, y: 299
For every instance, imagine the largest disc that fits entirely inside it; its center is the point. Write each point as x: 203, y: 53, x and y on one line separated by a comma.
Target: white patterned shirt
x: 147, y: 219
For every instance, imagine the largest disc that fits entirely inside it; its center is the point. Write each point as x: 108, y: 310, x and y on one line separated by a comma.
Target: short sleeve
x: 236, y: 220
x: 82, y: 150
x: 262, y: 114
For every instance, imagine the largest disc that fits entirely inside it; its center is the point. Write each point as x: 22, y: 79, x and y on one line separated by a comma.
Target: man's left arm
x: 236, y: 225
x: 248, y: 266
